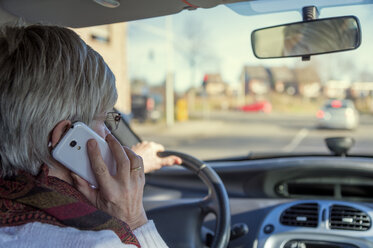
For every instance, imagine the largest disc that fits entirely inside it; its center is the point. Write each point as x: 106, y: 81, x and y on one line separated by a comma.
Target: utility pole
x: 170, y: 75
x: 170, y: 120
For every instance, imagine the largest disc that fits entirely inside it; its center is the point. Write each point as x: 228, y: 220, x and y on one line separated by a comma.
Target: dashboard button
x: 269, y: 229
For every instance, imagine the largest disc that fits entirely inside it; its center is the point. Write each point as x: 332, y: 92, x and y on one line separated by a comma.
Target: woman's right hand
x: 119, y: 195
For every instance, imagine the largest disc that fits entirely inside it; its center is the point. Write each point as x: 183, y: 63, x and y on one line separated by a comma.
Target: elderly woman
x: 49, y: 78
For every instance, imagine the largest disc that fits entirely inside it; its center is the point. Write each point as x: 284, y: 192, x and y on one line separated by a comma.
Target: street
x: 223, y: 134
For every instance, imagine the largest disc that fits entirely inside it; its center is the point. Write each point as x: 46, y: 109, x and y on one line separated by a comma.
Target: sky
x: 224, y: 38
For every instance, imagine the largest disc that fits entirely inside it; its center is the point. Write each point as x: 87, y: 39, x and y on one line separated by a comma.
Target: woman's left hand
x: 149, y: 153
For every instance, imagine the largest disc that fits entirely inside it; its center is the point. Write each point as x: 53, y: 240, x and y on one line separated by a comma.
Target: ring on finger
x: 136, y: 169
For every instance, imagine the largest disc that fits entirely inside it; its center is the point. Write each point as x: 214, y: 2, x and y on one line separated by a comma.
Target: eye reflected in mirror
x: 307, y: 38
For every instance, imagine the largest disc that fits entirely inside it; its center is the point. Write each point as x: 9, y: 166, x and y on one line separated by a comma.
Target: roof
x: 257, y: 72
x: 214, y: 78
x: 283, y: 73
x: 307, y: 75
x: 73, y: 13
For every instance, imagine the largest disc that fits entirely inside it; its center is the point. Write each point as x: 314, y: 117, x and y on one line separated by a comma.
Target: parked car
x: 261, y: 106
x: 143, y: 108
x: 338, y: 114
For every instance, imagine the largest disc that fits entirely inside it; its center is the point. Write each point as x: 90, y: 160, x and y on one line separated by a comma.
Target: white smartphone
x: 71, y: 151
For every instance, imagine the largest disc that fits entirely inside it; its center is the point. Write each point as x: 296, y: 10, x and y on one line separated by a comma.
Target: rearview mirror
x: 307, y: 38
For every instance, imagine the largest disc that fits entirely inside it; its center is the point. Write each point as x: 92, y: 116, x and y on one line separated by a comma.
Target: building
x: 336, y: 89
x: 284, y: 80
x: 214, y: 85
x: 256, y: 80
x: 309, y: 82
x: 362, y: 89
x: 110, y: 42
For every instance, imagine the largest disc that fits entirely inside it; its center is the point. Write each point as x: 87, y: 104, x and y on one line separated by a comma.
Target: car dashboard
x: 317, y: 223
x: 288, y: 202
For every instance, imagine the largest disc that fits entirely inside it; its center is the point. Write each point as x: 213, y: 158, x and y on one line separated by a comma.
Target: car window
x: 226, y: 102
x: 335, y: 104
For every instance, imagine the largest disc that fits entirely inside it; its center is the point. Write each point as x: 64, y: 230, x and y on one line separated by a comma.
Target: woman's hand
x: 119, y: 195
x: 148, y: 151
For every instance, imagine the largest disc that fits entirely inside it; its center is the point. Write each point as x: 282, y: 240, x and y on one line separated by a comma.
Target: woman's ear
x: 58, y: 131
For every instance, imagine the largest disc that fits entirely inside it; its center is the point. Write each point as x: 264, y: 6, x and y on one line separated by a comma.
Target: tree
x: 195, y: 48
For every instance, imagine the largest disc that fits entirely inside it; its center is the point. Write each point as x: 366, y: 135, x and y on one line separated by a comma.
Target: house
x: 284, y: 80
x: 362, y: 89
x: 309, y: 82
x: 256, y: 80
x: 336, y: 88
x: 214, y: 85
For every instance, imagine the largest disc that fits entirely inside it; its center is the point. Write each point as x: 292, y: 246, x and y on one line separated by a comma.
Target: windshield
x: 228, y: 103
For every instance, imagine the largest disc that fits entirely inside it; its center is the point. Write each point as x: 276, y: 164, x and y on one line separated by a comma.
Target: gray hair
x: 47, y: 74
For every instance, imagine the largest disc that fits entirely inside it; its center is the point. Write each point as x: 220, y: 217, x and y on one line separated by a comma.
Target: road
x: 223, y: 134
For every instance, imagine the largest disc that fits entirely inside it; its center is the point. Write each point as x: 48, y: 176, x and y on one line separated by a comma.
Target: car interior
x: 274, y: 200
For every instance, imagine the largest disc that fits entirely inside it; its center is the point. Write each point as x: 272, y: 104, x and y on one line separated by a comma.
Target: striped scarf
x: 25, y: 198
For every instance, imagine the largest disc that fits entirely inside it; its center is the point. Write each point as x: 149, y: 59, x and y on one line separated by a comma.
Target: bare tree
x: 195, y: 48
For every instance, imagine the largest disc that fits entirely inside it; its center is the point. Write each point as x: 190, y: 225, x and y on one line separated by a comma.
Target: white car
x: 338, y: 114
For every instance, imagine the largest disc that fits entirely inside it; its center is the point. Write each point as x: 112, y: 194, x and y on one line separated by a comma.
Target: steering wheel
x: 184, y: 220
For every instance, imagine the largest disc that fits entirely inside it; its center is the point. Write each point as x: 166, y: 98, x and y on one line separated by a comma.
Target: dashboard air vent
x: 305, y: 214
x: 348, y: 218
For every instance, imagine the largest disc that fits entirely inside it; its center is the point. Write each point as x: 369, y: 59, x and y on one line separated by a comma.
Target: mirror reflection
x: 307, y: 38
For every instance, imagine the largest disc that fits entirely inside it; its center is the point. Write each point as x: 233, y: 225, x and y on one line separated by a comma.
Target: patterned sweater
x: 39, y: 235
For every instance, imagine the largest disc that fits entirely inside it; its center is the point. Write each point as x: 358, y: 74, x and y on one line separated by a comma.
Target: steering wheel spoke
x: 183, y: 220
x: 180, y: 223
